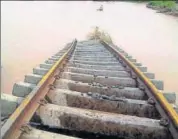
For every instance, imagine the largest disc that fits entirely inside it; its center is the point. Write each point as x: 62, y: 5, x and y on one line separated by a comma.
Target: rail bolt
x: 43, y: 101
x: 61, y: 69
x: 164, y: 122
x: 57, y: 76
x: 104, y: 97
x: 89, y: 93
x: 52, y: 87
x: 151, y: 101
x: 26, y: 128
x: 128, y: 70
x: 141, y: 87
x: 134, y: 77
x: 121, y: 87
x: 124, y: 65
x: 113, y: 97
x: 100, y: 85
x: 95, y: 76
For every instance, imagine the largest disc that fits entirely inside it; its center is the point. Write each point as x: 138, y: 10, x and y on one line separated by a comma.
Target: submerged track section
x: 89, y: 89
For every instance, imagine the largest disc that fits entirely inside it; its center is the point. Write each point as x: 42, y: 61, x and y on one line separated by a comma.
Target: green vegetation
x: 97, y: 33
x: 163, y: 4
x: 167, y: 7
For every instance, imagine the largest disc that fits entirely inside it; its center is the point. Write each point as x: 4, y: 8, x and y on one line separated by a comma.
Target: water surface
x: 33, y: 31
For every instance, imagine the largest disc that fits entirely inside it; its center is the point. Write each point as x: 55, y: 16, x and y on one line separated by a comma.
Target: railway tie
x: 89, y: 89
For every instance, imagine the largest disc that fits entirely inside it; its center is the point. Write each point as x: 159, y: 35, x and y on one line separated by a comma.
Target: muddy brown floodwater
x: 32, y: 31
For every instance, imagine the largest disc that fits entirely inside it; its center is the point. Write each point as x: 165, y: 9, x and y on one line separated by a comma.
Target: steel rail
x: 22, y: 115
x: 164, y: 108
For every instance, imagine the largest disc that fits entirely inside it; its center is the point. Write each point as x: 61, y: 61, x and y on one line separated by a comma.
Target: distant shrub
x: 163, y: 4
x: 97, y: 34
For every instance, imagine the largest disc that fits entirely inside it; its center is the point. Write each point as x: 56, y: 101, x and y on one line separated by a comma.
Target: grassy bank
x: 168, y: 7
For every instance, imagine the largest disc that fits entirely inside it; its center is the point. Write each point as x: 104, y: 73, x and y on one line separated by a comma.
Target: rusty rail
x: 23, y: 114
x: 164, y: 108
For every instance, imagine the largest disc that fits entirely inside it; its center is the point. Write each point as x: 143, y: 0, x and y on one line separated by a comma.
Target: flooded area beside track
x: 33, y: 31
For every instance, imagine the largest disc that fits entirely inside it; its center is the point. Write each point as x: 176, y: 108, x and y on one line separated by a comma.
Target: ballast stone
x: 21, y: 89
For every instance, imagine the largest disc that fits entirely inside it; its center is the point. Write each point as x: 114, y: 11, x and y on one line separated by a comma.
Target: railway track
x: 89, y: 90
